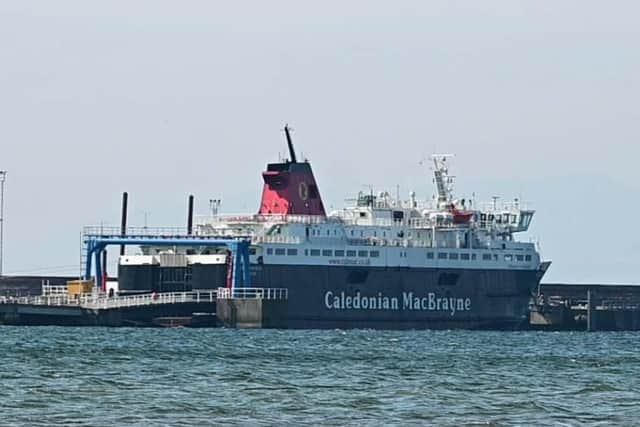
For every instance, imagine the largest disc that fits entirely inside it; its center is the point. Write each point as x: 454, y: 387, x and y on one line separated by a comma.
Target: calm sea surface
x: 110, y: 377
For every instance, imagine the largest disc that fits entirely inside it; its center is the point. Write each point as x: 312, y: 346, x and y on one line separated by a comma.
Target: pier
x: 242, y: 308
x: 588, y: 307
x: 253, y: 307
x: 97, y: 309
x: 86, y: 302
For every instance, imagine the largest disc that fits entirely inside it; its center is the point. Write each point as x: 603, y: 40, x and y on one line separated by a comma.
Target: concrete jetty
x: 242, y: 308
x: 590, y: 307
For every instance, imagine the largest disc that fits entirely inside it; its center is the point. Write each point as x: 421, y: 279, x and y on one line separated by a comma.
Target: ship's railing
x: 103, y: 301
x: 416, y: 223
x: 293, y: 240
x: 500, y: 207
x: 260, y: 218
x: 162, y: 232
x: 405, y: 243
x: 153, y: 298
x: 48, y: 289
x: 254, y: 293
x: 621, y: 302
x: 100, y: 230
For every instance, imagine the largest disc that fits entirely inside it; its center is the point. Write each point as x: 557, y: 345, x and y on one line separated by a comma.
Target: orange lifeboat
x: 461, y: 217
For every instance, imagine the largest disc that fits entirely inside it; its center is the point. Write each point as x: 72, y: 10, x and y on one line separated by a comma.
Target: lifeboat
x: 461, y: 217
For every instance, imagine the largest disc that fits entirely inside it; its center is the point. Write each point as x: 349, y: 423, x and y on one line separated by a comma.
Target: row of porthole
x: 472, y: 257
x: 324, y: 252
x: 376, y: 254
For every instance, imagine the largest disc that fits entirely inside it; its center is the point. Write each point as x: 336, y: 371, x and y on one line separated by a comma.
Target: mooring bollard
x: 589, y: 311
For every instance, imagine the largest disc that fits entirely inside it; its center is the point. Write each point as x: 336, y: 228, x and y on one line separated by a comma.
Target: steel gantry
x: 95, y: 245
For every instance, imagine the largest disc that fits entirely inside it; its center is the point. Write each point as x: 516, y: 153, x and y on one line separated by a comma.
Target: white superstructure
x: 381, y: 231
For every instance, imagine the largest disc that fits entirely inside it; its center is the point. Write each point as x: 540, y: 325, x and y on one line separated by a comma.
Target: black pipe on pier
x: 105, y: 274
x: 123, y: 222
x: 190, y: 216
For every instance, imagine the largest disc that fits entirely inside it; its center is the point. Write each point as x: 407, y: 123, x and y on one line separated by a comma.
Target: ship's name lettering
x: 408, y: 301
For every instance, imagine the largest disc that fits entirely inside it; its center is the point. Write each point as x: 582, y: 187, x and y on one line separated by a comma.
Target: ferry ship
x: 381, y: 263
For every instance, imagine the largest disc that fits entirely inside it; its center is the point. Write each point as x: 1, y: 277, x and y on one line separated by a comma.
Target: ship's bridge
x: 506, y: 218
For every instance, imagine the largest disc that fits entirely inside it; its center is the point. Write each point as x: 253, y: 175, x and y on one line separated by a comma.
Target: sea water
x: 145, y: 377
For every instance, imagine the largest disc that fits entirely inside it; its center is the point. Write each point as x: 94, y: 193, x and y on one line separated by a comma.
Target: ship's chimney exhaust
x: 292, y: 153
x: 190, y: 216
x: 123, y: 222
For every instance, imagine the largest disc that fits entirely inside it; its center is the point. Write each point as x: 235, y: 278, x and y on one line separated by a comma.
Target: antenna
x: 214, y: 206
x: 495, y: 202
x: 444, y: 181
x: 292, y: 153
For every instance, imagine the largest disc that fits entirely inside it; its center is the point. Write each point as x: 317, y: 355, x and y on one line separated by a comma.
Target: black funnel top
x: 292, y: 153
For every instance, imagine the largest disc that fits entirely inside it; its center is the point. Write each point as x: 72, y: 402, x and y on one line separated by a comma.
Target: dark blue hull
x: 373, y: 297
x: 402, y: 298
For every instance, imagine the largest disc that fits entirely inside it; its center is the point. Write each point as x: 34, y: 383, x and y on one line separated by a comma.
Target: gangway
x: 104, y: 302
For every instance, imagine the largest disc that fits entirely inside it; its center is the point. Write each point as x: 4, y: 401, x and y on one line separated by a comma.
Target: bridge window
x: 453, y: 256
x: 486, y: 257
x: 362, y: 254
x: 292, y: 252
x: 338, y: 252
x: 374, y: 254
x: 464, y: 257
x: 280, y: 251
x: 269, y: 251
x: 527, y: 258
x: 351, y: 253
x: 252, y: 251
x: 442, y: 255
x: 473, y: 257
x: 520, y: 257
x: 315, y: 252
x: 327, y: 252
x: 429, y: 255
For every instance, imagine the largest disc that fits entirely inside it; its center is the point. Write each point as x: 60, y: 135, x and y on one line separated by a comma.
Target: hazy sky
x: 537, y: 99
